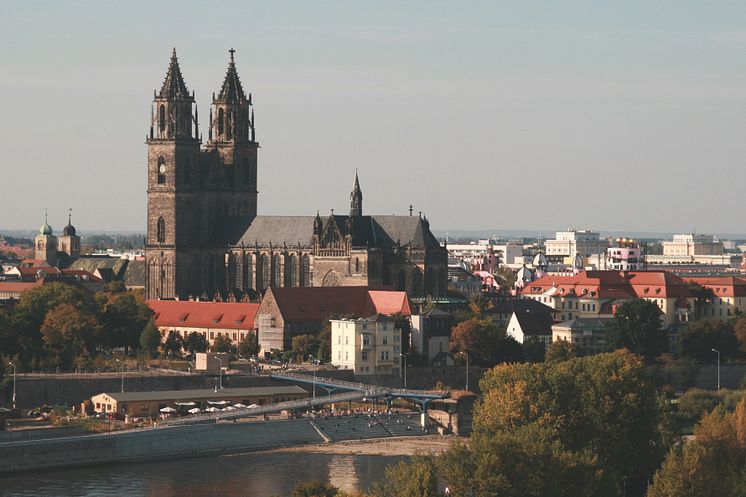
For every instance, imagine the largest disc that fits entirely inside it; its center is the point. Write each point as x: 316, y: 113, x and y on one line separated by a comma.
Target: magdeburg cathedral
x: 205, y: 239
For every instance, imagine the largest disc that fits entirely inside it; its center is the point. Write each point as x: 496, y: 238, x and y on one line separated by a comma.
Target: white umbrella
x: 217, y: 402
x: 196, y: 410
x: 212, y: 409
x: 254, y: 406
x: 186, y: 404
x: 168, y: 410
x: 230, y: 408
x: 239, y: 406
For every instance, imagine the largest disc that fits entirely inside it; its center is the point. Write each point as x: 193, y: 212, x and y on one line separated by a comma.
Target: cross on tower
x: 231, y: 51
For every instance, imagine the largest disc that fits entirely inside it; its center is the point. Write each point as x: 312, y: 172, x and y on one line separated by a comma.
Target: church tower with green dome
x: 45, y: 244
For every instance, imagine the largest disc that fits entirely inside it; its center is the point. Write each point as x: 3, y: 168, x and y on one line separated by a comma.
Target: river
x: 253, y: 474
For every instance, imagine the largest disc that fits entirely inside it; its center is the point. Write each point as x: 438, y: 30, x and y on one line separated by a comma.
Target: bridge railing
x: 279, y: 406
x: 350, y: 385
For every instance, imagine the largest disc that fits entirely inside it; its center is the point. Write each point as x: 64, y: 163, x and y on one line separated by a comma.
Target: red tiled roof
x: 19, y: 286
x: 389, y: 302
x: 612, y: 284
x: 193, y: 314
x: 321, y: 303
x: 721, y: 286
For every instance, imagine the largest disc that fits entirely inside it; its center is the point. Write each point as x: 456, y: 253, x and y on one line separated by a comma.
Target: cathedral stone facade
x: 205, y: 239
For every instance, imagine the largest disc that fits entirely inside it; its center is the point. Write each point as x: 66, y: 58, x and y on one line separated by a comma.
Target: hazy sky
x: 626, y: 115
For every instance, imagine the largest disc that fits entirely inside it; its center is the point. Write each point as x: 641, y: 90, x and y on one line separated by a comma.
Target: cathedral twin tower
x: 191, y: 187
x: 205, y: 239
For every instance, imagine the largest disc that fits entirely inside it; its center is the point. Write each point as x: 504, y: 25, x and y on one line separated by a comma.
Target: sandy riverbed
x: 404, y: 446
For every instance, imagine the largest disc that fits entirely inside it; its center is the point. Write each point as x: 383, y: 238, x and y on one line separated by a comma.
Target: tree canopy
x: 637, y: 326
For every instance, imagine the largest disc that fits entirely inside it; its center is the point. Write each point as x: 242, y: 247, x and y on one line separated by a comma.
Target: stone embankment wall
x: 154, y: 444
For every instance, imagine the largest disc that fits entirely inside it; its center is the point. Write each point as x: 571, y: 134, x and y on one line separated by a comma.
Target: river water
x: 254, y: 475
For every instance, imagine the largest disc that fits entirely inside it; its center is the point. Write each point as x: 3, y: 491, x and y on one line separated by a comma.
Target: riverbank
x: 401, y: 446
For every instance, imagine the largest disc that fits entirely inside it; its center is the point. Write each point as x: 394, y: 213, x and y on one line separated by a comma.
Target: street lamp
x: 122, y: 364
x: 718, y: 353
x: 14, y: 383
x: 405, y: 370
x: 467, y: 368
x: 313, y: 362
x: 220, y: 361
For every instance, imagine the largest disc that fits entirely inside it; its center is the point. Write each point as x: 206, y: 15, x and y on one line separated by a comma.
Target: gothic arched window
x: 305, y: 271
x: 291, y: 270
x: 276, y: 271
x: 162, y: 118
x: 247, y: 273
x: 263, y: 271
x: 161, y: 230
x: 220, y: 122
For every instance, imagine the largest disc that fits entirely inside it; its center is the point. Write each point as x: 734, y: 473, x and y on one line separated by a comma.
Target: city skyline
x: 504, y: 117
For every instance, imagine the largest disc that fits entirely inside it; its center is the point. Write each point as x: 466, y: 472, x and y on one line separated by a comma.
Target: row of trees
x: 59, y: 325
x: 175, y: 345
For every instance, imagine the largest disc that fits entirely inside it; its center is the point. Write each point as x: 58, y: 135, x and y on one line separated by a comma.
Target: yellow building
x: 149, y: 404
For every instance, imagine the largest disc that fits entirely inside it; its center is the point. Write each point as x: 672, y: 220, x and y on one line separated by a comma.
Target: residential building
x: 430, y: 336
x: 593, y: 294
x: 627, y: 255
x: 503, y: 310
x: 587, y: 333
x: 366, y: 346
x: 525, y: 325
x: 233, y: 320
x: 291, y: 311
x: 691, y: 244
x: 567, y: 244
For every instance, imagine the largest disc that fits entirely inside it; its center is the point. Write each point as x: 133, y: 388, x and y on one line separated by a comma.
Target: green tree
x: 698, y: 339
x: 249, y: 345
x: 486, y: 343
x: 712, y: 463
x: 223, y: 344
x: 173, y: 344
x: 314, y: 489
x: 30, y: 312
x: 196, y: 342
x: 418, y: 478
x: 561, y: 350
x: 68, y: 332
x: 533, y: 350
x: 303, y: 345
x: 150, y: 339
x: 325, y: 342
x: 605, y: 404
x: 123, y: 317
x: 740, y: 332
x: 527, y: 461
x: 637, y: 326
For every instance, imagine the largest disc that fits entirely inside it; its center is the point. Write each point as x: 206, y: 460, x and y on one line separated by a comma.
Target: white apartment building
x: 366, y: 346
x: 690, y: 244
x: 567, y: 244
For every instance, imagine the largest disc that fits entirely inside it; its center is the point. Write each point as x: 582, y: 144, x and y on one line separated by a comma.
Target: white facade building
x: 366, y: 346
x: 567, y: 244
x: 690, y: 244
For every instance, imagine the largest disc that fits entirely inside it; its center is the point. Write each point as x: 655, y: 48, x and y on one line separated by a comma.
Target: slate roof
x: 92, y: 263
x: 367, y: 231
x: 535, y: 324
x: 520, y: 306
x: 134, y: 274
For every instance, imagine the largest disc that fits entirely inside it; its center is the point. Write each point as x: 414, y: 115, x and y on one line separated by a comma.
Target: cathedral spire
x: 174, y: 87
x: 232, y: 116
x: 356, y: 198
x: 232, y: 91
